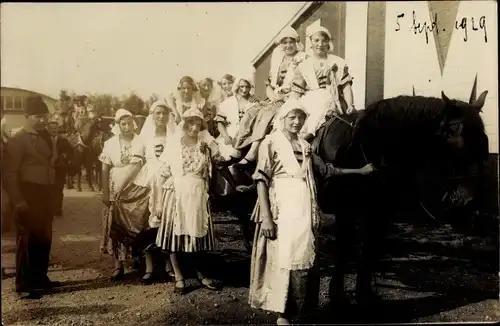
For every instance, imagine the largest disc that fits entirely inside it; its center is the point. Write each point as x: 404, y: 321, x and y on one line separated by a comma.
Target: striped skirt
x: 168, y: 241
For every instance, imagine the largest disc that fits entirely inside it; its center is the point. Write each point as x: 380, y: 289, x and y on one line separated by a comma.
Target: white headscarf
x: 118, y: 115
x: 290, y: 105
x: 148, y: 130
x: 190, y: 113
x: 249, y: 76
x: 317, y: 29
x: 289, y: 32
x: 278, y: 53
x: 174, y: 142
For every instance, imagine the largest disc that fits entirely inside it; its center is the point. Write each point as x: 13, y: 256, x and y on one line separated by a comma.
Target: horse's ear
x: 479, y: 103
x: 445, y: 98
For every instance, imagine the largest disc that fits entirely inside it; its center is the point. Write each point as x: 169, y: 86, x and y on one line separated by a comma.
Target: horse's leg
x: 372, y: 233
x: 89, y: 170
x: 79, y: 180
x: 366, y: 264
x: 69, y: 182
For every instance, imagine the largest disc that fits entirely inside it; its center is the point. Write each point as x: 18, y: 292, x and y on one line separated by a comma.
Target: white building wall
x: 412, y: 62
x: 355, y: 48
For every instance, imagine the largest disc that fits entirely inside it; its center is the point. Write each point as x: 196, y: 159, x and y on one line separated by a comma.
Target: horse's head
x: 465, y: 150
x: 462, y: 128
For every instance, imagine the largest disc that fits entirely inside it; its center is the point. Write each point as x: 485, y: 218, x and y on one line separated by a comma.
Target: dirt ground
x: 433, y: 276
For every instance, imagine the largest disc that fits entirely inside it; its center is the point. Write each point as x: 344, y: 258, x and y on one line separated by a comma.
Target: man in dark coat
x: 28, y: 178
x: 62, y: 162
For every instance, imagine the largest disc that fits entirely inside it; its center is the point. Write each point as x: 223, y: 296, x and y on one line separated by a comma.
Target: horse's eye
x: 456, y: 128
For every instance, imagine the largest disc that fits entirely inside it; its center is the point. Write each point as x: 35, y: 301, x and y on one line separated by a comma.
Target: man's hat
x: 35, y: 105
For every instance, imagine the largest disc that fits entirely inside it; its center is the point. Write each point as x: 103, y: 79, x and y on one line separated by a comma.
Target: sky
x: 122, y: 47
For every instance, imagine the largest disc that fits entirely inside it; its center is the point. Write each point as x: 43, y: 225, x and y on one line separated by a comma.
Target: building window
x: 18, y: 103
x: 314, y: 24
x: 9, y: 103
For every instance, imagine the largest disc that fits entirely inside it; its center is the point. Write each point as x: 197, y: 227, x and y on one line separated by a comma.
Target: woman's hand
x: 268, y: 228
x: 308, y: 151
x: 367, y: 169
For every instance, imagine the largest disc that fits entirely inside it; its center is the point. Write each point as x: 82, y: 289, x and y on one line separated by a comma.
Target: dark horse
x: 88, y: 142
x: 415, y: 143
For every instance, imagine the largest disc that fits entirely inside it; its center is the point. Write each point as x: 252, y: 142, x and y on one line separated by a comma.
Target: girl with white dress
x: 322, y: 82
x: 186, y: 221
x: 231, y: 112
x: 284, y: 267
x: 257, y: 122
x: 157, y: 128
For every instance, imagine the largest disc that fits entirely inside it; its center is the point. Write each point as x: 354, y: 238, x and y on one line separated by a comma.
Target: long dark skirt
x: 125, y: 220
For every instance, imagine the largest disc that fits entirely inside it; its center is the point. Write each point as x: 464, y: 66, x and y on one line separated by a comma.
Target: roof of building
x: 29, y: 91
x: 302, y: 10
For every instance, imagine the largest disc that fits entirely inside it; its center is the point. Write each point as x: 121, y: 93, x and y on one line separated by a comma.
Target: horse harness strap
x: 352, y: 126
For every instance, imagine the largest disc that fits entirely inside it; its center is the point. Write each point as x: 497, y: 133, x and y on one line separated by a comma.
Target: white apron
x: 295, y: 240
x: 191, y: 200
x: 191, y: 195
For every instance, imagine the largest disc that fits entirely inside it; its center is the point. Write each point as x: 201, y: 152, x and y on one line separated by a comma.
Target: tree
x: 103, y: 103
x: 133, y: 103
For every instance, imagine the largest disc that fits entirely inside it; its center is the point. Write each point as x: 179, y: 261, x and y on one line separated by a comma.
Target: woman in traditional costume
x: 233, y: 109
x: 157, y: 129
x: 322, y: 81
x: 185, y: 98
x: 284, y: 268
x: 228, y: 120
x: 121, y: 220
x: 226, y: 84
x: 212, y: 96
x: 284, y: 60
x: 186, y: 222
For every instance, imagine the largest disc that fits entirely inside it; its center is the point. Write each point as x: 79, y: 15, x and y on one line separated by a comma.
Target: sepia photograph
x: 249, y: 163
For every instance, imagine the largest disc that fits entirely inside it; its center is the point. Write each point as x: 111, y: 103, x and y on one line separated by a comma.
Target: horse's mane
x: 404, y: 112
